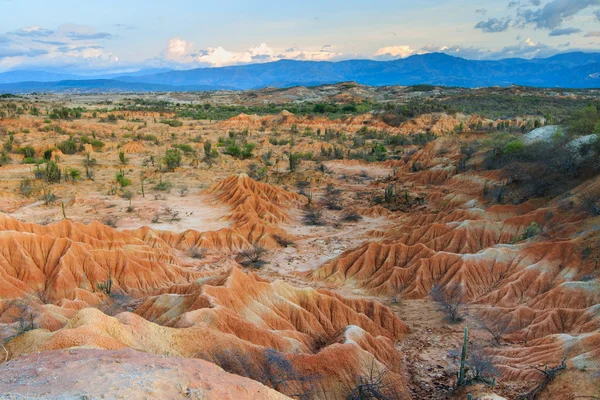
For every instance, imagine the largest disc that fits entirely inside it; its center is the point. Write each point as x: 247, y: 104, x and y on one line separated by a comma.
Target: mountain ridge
x: 567, y: 70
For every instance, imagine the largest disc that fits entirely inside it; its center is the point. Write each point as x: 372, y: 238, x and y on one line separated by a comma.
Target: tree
x: 128, y: 195
x: 172, y: 159
x: 496, y: 325
x: 449, y: 299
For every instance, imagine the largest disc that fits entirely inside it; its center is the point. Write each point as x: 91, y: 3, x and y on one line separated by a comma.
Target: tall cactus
x: 463, y: 359
x: 108, y: 283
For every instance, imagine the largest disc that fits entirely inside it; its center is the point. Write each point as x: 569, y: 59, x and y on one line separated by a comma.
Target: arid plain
x: 330, y: 242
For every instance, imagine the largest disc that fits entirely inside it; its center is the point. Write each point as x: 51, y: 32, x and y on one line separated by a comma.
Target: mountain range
x: 567, y: 70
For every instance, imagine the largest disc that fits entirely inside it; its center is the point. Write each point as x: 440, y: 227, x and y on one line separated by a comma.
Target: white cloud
x: 177, y: 49
x: 183, y: 53
x: 394, y: 52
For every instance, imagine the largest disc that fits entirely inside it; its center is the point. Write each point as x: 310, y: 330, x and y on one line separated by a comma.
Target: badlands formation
x: 318, y: 265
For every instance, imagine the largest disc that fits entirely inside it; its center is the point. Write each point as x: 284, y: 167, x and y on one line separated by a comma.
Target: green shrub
x: 186, y: 148
x: 172, y: 159
x: 514, y: 147
x: 53, y: 173
x: 68, y: 147
x: 173, y: 123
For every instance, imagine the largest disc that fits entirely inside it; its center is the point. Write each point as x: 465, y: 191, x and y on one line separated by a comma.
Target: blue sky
x: 89, y: 36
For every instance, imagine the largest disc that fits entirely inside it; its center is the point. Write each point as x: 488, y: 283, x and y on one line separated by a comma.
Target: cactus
x: 390, y: 193
x: 106, y: 286
x: 142, y: 180
x: 463, y: 358
x: 62, y: 205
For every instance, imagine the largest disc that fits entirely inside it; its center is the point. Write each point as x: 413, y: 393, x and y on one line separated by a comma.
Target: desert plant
x: 374, y: 384
x: 313, y: 217
x: 294, y: 161
x: 53, y: 173
x: 26, y: 188
x: 256, y: 172
x: 351, y: 216
x: 129, y: 196
x: 48, y: 197
x: 450, y: 300
x: 198, y: 252
x: 532, y: 230
x: 172, y: 159
x: 68, y: 146
x: 170, y: 213
x: 283, y: 241
x: 253, y: 256
x: 463, y: 358
x: 163, y: 186
x: 110, y: 221
x: 497, y: 325
x: 548, y: 376
x: 122, y: 157
x: 75, y: 174
x: 590, y: 204
x: 106, y: 286
x: 122, y: 179
x: 183, y: 191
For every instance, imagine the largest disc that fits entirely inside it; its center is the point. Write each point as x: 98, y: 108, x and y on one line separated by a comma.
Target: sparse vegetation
x: 450, y: 300
x: 253, y: 256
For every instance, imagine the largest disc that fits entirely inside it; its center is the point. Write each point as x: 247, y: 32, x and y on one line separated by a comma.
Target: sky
x: 91, y: 36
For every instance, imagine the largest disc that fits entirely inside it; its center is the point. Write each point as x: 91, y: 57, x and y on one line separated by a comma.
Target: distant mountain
x: 568, y: 70
x: 49, y: 76
x: 99, y: 86
x: 435, y: 68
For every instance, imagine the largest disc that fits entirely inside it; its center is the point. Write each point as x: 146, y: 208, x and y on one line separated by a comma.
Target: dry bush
x: 198, y: 253
x: 498, y: 325
x: 253, y: 256
x: 450, y: 300
x: 313, y: 217
x: 374, y: 384
x: 283, y: 241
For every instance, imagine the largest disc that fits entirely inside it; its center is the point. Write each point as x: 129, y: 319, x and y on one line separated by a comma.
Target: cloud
x: 523, y: 49
x: 481, y: 11
x: 494, y: 25
x: 68, y: 46
x: 564, y: 31
x: 90, y: 36
x: 553, y: 14
x: 33, y: 31
x: 183, y: 53
x: 394, y: 52
x: 592, y: 34
x: 177, y: 49
x: 597, y: 14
